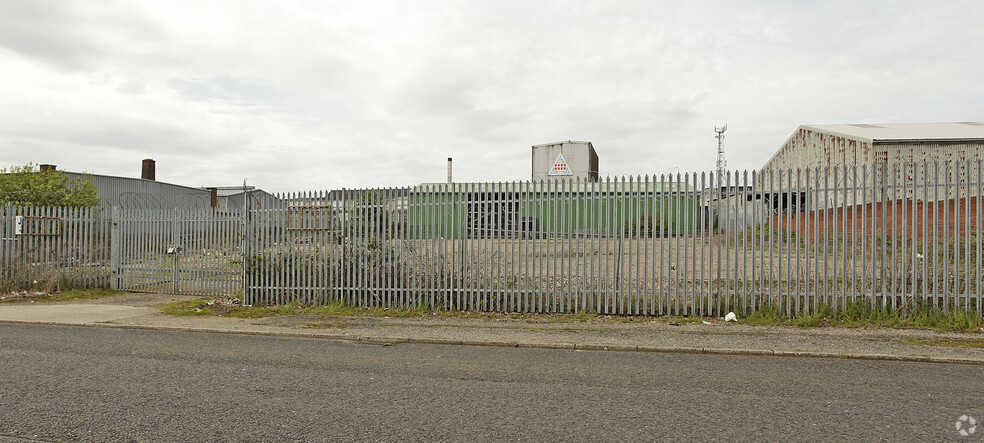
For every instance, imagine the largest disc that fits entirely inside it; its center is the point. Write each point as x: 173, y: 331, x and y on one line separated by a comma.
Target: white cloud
x: 313, y: 95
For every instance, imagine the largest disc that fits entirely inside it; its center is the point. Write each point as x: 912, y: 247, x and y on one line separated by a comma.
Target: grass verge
x: 204, y: 306
x: 861, y: 314
x: 857, y: 315
x: 213, y: 307
x: 63, y: 296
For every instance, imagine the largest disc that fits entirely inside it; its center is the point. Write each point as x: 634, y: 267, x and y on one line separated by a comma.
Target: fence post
x: 178, y: 246
x: 116, y: 247
x: 245, y: 242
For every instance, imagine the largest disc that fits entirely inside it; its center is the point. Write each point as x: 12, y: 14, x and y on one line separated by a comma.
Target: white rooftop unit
x: 566, y: 159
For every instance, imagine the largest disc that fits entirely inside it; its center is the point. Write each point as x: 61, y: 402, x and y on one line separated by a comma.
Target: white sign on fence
x: 18, y: 225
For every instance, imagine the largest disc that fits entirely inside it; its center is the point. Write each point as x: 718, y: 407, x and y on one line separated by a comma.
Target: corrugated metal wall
x: 135, y: 193
x: 808, y: 148
x: 826, y: 154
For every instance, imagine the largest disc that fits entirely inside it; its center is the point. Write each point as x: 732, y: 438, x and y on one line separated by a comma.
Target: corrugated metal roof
x: 561, y: 142
x: 905, y: 131
x: 138, y: 192
x: 128, y: 179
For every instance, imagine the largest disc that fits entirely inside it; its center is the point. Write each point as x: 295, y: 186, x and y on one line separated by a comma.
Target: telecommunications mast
x: 721, y: 163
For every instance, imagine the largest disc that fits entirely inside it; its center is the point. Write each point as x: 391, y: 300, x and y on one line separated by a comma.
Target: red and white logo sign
x: 560, y: 167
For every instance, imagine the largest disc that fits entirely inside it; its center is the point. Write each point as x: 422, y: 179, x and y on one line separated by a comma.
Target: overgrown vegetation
x: 23, y: 276
x: 204, y: 306
x: 69, y: 295
x: 861, y: 313
x: 857, y: 315
x: 367, y: 249
x: 645, y: 226
x: 27, y: 186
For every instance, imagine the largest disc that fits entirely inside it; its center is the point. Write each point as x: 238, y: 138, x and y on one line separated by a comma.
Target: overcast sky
x: 293, y: 95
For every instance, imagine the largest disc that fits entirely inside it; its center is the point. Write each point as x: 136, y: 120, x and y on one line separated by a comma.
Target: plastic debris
x: 731, y: 317
x: 707, y: 322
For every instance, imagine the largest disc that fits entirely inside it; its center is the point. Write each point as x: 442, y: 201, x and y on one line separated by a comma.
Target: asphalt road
x: 60, y: 383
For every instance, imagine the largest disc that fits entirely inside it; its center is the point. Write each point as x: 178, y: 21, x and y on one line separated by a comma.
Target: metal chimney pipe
x: 149, y: 171
x: 449, y: 169
x: 214, y: 193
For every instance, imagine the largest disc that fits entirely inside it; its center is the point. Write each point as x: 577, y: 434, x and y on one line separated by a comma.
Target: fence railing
x: 891, y: 236
x: 44, y: 249
x: 195, y: 251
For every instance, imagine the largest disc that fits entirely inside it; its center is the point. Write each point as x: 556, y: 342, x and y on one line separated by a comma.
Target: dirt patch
x: 139, y: 299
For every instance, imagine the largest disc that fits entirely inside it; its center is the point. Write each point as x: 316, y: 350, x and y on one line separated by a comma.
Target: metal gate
x: 178, y: 251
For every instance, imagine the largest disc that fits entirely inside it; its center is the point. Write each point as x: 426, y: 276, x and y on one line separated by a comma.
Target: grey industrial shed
x: 139, y: 193
x: 845, y: 156
x: 872, y: 144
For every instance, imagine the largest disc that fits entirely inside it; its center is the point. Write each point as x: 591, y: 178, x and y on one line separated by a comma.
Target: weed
x: 69, y: 295
x: 861, y: 313
x: 203, y: 306
x: 858, y: 314
x: 326, y: 325
x: 186, y: 307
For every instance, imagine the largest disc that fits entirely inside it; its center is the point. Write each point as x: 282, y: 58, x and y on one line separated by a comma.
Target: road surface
x: 61, y: 383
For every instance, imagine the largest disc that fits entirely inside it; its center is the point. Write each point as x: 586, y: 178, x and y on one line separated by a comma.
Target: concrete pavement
x: 643, y: 335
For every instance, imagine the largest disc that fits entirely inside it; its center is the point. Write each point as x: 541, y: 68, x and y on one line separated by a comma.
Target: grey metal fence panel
x: 52, y: 248
x: 180, y: 251
x: 681, y: 244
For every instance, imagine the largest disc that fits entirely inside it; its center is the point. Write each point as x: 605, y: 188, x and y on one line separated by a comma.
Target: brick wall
x: 952, y: 217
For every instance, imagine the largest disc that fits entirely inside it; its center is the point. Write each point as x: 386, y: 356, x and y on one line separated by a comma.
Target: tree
x: 26, y: 186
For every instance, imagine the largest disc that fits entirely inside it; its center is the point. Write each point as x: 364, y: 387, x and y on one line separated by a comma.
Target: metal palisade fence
x: 196, y: 251
x: 889, y: 235
x: 178, y: 251
x: 45, y: 249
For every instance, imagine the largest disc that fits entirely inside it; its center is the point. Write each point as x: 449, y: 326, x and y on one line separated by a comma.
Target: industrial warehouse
x: 904, y: 167
x: 565, y: 197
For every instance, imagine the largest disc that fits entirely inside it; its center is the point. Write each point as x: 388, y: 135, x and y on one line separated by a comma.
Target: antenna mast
x: 721, y: 164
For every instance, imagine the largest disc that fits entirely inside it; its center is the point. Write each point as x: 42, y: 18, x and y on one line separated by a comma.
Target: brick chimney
x: 149, y: 171
x: 46, y: 168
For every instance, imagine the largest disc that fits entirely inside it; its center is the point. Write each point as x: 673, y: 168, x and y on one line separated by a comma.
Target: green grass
x: 65, y: 296
x: 202, y: 306
x: 336, y: 309
x: 326, y: 325
x: 861, y: 314
x: 856, y: 315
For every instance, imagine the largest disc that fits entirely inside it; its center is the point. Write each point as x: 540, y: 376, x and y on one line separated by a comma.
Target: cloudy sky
x: 295, y: 95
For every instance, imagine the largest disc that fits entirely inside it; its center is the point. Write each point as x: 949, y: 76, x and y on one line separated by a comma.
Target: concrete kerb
x: 389, y: 340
